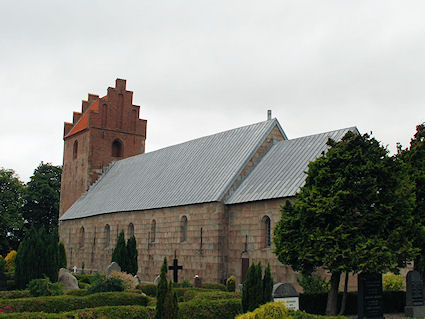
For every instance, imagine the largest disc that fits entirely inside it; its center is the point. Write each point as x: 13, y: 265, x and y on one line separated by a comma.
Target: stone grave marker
x: 369, y: 298
x: 113, y: 267
x: 286, y: 293
x: 3, y: 281
x: 414, y: 295
x: 197, y: 282
x: 68, y: 280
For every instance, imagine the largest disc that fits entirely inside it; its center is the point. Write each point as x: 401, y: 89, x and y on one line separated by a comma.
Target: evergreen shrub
x: 14, y: 294
x: 210, y: 309
x: 132, y: 265
x: 148, y: 289
x: 120, y: 254
x: 55, y: 304
x: 214, y: 285
x: 111, y: 312
x: 106, y: 285
x: 2, y: 264
x: 76, y: 292
x: 61, y: 256
x: 83, y: 285
x: 231, y: 283
x: 43, y: 287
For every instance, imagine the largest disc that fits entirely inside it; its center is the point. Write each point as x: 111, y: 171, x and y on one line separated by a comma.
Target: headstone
x: 113, y: 267
x: 3, y: 281
x: 414, y: 295
x: 156, y: 280
x: 286, y: 293
x: 68, y: 280
x: 369, y: 298
x: 197, y: 282
x: 136, y: 279
x: 74, y: 269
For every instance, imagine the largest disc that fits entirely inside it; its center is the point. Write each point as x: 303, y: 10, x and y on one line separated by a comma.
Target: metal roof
x: 281, y: 172
x: 197, y: 171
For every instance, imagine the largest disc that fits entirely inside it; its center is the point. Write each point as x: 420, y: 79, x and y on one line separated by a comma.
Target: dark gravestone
x: 287, y: 294
x: 414, y: 295
x: 369, y: 303
x: 3, y: 281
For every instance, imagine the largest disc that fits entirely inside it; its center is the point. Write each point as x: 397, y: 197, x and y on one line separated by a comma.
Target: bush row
x: 393, y: 302
x: 13, y: 294
x: 210, y: 309
x: 54, y: 304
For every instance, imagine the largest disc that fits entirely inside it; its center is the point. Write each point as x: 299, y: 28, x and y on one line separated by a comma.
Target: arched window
x: 130, y: 230
x: 107, y: 235
x: 266, y: 231
x: 153, y: 230
x: 75, y: 149
x: 82, y: 235
x: 117, y: 148
x: 183, y: 229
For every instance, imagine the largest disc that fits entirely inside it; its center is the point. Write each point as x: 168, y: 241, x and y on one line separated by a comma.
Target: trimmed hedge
x: 148, y: 289
x: 14, y: 294
x: 214, y: 285
x: 76, y: 292
x: 55, y: 304
x: 210, y: 309
x: 33, y: 315
x: 111, y: 312
x: 393, y: 302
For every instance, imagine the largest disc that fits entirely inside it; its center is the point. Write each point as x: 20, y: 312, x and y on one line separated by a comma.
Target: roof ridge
x: 327, y: 132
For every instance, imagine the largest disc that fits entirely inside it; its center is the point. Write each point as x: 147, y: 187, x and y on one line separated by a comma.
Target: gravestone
x: 3, y: 281
x: 286, y: 293
x: 197, y: 282
x: 113, y: 267
x: 369, y: 298
x: 68, y: 280
x: 74, y: 269
x: 414, y: 295
x: 156, y: 280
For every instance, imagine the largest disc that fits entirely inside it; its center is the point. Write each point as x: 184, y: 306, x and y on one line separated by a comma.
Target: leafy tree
x: 161, y: 292
x: 132, y: 265
x: 43, y: 196
x: 267, y: 285
x: 120, y: 255
x: 313, y: 284
x: 11, y: 203
x: 37, y: 257
x: 61, y: 256
x: 353, y: 214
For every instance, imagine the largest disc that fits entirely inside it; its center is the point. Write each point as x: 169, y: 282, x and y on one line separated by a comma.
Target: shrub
x: 83, y: 285
x: 128, y: 280
x: 14, y: 294
x: 210, y: 309
x: 161, y: 293
x: 148, y: 289
x: 111, y: 312
x: 61, y: 255
x: 55, y: 304
x: 392, y: 282
x: 76, y: 292
x: 267, y: 285
x: 132, y: 264
x: 106, y: 285
x: 252, y: 290
x: 170, y: 303
x: 120, y: 255
x: 271, y: 310
x: 11, y: 284
x: 2, y: 264
x: 186, y: 283
x: 43, y: 287
x: 231, y: 283
x: 313, y: 284
x: 214, y: 285
x: 10, y: 261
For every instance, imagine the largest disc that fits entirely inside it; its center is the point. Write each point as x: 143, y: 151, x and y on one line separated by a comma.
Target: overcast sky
x: 201, y: 67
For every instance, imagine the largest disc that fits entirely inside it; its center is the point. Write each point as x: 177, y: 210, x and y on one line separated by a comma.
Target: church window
x: 107, y: 235
x: 266, y: 231
x: 153, y: 230
x: 130, y: 230
x: 183, y: 229
x: 75, y: 150
x: 82, y: 235
x: 117, y: 148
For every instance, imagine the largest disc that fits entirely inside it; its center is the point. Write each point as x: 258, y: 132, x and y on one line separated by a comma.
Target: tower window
x: 82, y: 237
x: 75, y: 149
x: 183, y: 229
x: 116, y: 148
x: 107, y: 235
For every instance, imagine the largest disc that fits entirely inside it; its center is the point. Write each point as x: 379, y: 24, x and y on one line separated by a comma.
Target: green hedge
x: 76, y: 292
x: 67, y: 303
x: 393, y: 302
x: 111, y: 312
x: 214, y: 285
x: 13, y: 294
x: 148, y: 289
x: 33, y: 315
x: 210, y: 309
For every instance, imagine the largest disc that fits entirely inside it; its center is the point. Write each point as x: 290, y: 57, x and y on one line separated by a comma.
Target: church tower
x: 107, y: 129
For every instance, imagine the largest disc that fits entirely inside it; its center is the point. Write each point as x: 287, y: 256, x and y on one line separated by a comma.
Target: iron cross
x: 175, y: 268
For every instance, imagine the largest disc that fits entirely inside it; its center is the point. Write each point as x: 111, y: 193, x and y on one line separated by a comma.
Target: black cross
x: 175, y: 268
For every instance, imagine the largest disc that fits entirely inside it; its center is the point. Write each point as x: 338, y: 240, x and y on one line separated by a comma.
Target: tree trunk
x: 344, y: 296
x: 332, y: 304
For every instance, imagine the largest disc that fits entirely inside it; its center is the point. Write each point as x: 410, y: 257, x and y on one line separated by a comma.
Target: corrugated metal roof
x: 281, y: 172
x: 193, y: 172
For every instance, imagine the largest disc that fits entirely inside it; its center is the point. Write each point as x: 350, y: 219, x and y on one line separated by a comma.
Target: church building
x: 213, y: 201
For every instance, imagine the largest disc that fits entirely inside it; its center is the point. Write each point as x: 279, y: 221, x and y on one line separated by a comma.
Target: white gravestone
x: 287, y: 294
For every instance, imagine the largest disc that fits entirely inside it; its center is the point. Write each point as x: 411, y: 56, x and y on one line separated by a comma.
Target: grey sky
x: 200, y: 67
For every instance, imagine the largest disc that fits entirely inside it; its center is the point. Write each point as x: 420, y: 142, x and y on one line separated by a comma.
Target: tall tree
x: 43, y: 196
x: 161, y: 291
x: 353, y: 214
x: 120, y: 255
x: 132, y: 256
x: 267, y: 285
x: 11, y: 203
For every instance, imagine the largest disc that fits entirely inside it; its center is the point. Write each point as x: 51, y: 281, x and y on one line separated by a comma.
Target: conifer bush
x: 162, y: 290
x: 106, y: 285
x: 267, y: 285
x: 120, y: 255
x: 132, y: 265
x: 61, y: 255
x: 43, y: 287
x: 2, y: 264
x: 10, y: 261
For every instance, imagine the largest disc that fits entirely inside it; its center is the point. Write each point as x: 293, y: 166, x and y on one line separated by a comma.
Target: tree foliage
x: 120, y: 255
x: 161, y: 291
x: 62, y: 263
x: 267, y: 285
x: 37, y: 257
x: 256, y: 289
x: 353, y: 214
x: 11, y: 203
x: 132, y: 265
x: 42, y: 197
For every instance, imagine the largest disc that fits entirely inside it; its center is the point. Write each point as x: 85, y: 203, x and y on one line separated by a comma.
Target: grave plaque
x: 369, y: 303
x: 3, y: 281
x: 414, y: 295
x: 287, y: 294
